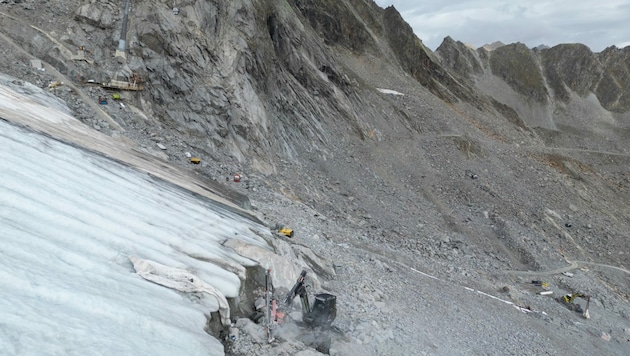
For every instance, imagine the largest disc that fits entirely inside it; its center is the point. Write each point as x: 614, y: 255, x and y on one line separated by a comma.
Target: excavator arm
x: 568, y: 300
x: 299, y: 289
x: 324, y: 309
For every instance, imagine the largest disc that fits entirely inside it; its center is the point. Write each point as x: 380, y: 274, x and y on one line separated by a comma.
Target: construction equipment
x: 272, y: 312
x: 286, y: 231
x: 324, y: 310
x: 270, y: 307
x: 568, y: 301
x: 122, y: 42
x: 543, y: 285
x: 133, y: 83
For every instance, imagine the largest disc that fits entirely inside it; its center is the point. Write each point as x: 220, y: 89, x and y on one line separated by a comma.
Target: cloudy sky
x: 597, y: 24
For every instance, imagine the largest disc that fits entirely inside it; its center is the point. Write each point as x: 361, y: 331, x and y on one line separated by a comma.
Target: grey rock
x: 255, y: 331
x: 318, y: 264
x: 309, y: 352
x: 259, y: 303
x: 94, y: 15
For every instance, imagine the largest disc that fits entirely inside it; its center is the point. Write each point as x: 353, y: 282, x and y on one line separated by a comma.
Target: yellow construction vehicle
x: 286, y: 231
x: 568, y: 301
x: 283, y: 230
x: 543, y: 285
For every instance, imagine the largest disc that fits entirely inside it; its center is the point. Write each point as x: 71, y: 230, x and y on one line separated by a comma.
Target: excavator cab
x: 324, y: 310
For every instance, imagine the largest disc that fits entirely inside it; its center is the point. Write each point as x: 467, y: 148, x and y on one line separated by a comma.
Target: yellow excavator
x: 283, y: 230
x: 569, y: 301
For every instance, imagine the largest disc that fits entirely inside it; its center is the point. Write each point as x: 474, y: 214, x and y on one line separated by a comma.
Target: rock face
x: 516, y: 65
x: 94, y: 15
x: 460, y: 58
x: 550, y: 78
x: 259, y: 79
x: 420, y: 62
x: 336, y: 23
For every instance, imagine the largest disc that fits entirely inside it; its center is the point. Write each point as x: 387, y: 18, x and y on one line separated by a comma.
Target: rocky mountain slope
x: 484, y: 169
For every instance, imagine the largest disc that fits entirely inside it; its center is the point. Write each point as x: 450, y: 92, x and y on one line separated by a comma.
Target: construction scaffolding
x: 135, y: 83
x: 122, y: 85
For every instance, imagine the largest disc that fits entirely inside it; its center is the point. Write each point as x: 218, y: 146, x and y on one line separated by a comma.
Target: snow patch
x: 389, y: 91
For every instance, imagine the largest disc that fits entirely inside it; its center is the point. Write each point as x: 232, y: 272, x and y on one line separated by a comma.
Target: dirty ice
x: 70, y: 220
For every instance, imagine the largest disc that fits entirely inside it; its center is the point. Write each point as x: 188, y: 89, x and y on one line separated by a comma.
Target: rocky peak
x: 613, y: 89
x: 570, y: 67
x: 460, y: 58
x: 519, y: 67
x: 337, y: 23
x: 492, y: 46
x: 419, y: 61
x: 546, y: 78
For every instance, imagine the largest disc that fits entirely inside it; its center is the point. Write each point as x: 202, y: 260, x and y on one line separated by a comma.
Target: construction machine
x: 569, y: 301
x: 322, y: 313
x: 324, y: 309
x: 286, y: 231
x: 283, y: 230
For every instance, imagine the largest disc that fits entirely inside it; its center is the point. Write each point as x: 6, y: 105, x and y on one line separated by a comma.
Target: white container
x: 233, y: 335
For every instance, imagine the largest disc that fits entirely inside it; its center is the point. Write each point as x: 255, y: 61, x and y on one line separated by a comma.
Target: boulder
x: 284, y: 270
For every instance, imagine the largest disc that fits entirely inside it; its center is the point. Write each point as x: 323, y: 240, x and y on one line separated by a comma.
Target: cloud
x: 597, y: 24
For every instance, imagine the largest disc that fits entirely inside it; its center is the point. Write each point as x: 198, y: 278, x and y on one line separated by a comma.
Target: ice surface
x: 70, y: 219
x: 180, y: 280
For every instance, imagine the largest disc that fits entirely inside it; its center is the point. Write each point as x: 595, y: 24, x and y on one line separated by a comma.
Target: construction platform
x: 122, y: 85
